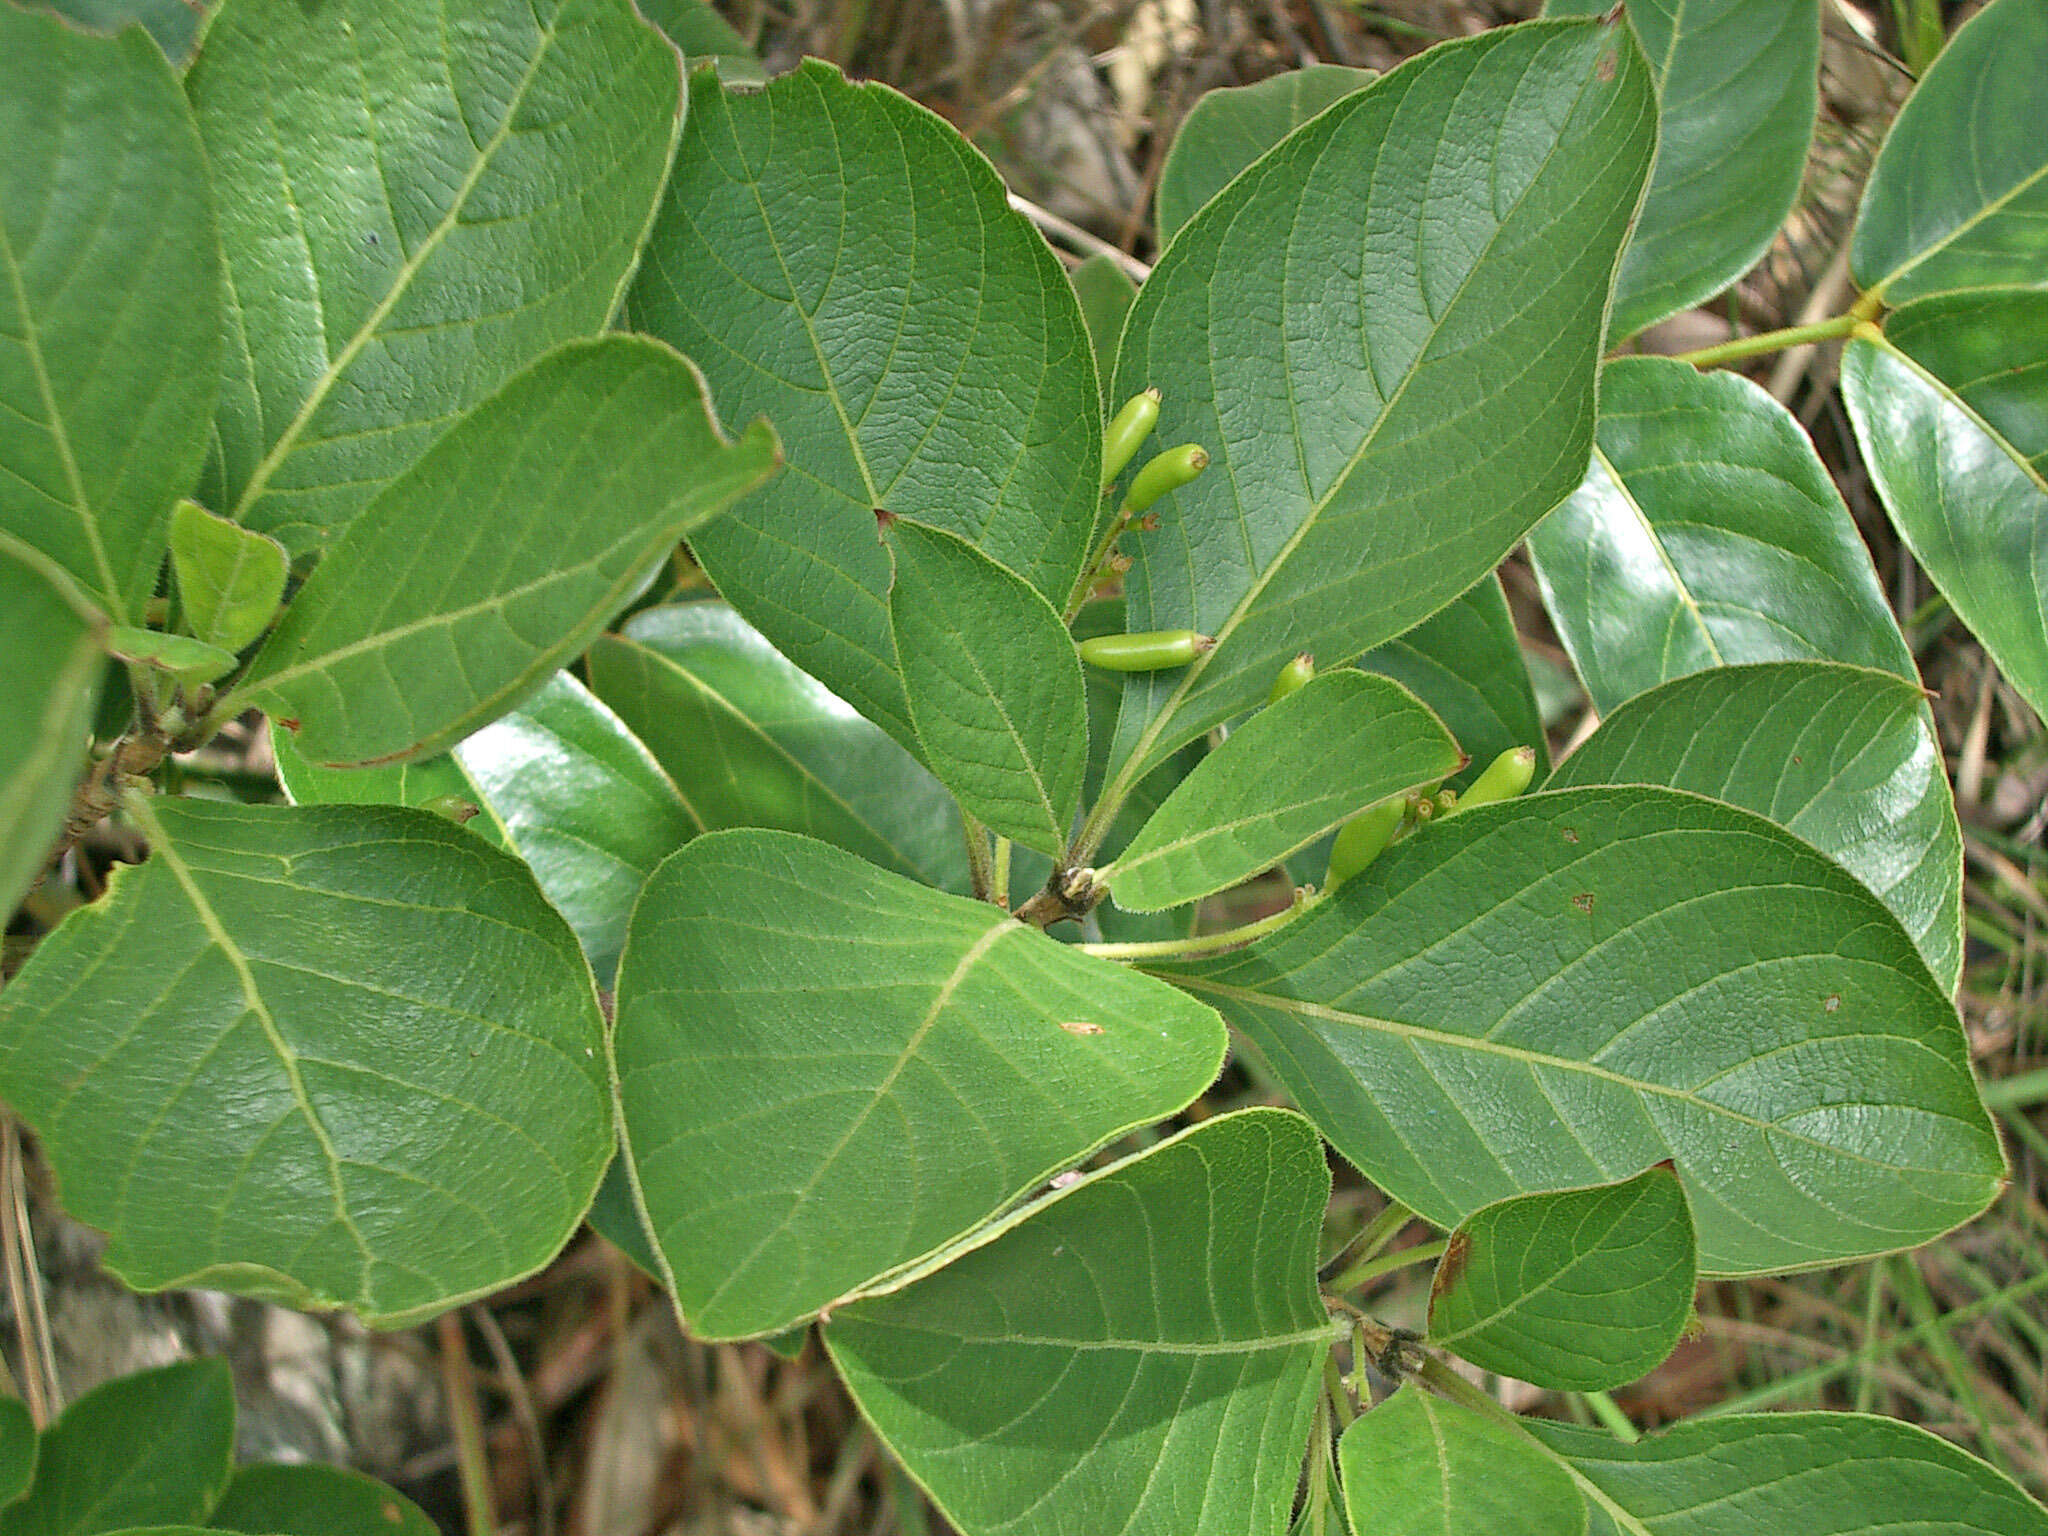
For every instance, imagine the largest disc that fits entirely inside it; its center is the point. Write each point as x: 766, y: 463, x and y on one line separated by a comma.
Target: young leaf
x: 497, y: 557
x: 230, y: 581
x: 188, y: 660
x: 1968, y: 504
x: 316, y: 1501
x: 1230, y: 128
x: 416, y: 202
x: 1844, y: 757
x: 1464, y: 662
x: 1418, y: 1465
x: 827, y: 1074
x: 1987, y: 348
x: 110, y: 304
x: 1138, y: 1354
x: 1578, y: 1291
x: 993, y: 685
x: 146, y: 1449
x: 1292, y: 772
x: 330, y: 1055
x: 1737, y: 86
x: 51, y: 657
x: 1558, y: 990
x: 750, y: 741
x: 1811, y: 1474
x: 1346, y: 503
x: 700, y: 33
x: 840, y: 260
x: 417, y: 784
x: 1707, y: 532
x: 1958, y: 195
x: 1104, y: 291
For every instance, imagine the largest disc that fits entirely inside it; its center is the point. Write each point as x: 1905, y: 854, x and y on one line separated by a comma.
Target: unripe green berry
x: 1503, y: 779
x: 1126, y: 431
x: 1292, y: 676
x: 1164, y: 472
x: 1147, y: 651
x: 1362, y: 839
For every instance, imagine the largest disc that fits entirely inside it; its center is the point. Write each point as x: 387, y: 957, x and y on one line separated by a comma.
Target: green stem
x: 1201, y: 944
x: 980, y: 869
x: 1446, y: 1382
x: 1770, y: 341
x: 1612, y: 1418
x: 1386, y: 1264
x: 2018, y: 1091
x: 1000, y: 875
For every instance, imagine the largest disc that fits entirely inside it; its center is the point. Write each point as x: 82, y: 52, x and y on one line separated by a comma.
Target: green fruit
x: 1147, y: 651
x: 1131, y: 426
x: 1292, y: 676
x: 1362, y: 839
x: 1164, y: 472
x: 1504, y: 778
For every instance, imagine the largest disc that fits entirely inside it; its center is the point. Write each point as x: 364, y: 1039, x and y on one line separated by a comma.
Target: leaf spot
x: 1833, y: 1002
x: 1451, y: 1267
x: 1080, y: 1027
x: 1570, y: 836
x: 1584, y: 902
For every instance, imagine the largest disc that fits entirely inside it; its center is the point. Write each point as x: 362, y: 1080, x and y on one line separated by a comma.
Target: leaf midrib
x: 401, y: 284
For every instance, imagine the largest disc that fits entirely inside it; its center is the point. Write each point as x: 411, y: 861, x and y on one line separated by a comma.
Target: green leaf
x: 1559, y: 990
x: 316, y: 1501
x: 328, y: 1055
x: 700, y: 33
x: 827, y: 1074
x: 1789, y: 1474
x: 50, y: 654
x: 1295, y: 770
x: 1737, y: 86
x: 416, y: 203
x: 174, y: 24
x: 583, y: 803
x: 1845, y: 758
x: 1138, y: 1354
x: 1958, y: 196
x: 1465, y: 663
x: 751, y: 741
x: 615, y: 1218
x: 17, y: 1449
x: 1104, y: 291
x: 993, y: 685
x: 1422, y: 1466
x: 230, y: 581
x: 146, y: 1449
x: 1987, y: 348
x: 1230, y: 128
x: 1346, y: 503
x: 1967, y: 503
x: 1577, y: 1291
x: 838, y: 259
x: 109, y: 303
x: 416, y: 784
x: 495, y: 559
x: 188, y: 660
x: 1706, y: 533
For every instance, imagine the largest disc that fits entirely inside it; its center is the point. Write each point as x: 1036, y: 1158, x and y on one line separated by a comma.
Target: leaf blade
x: 1418, y: 1464
x: 52, y: 650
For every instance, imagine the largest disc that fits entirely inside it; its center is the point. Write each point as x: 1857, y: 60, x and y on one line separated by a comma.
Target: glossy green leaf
x: 1465, y: 663
x: 230, y: 581
x: 1560, y: 990
x: 146, y: 1449
x: 1789, y: 1474
x: 17, y: 1449
x: 1138, y: 1354
x: 1737, y: 86
x: 1967, y: 503
x: 417, y: 201
x: 1292, y: 772
x: 329, y: 1055
x: 828, y: 1074
x: 1959, y: 195
x: 1844, y: 757
x: 1990, y: 348
x: 174, y: 24
x: 495, y: 559
x: 838, y: 259
x: 1578, y: 1291
x: 993, y: 685
x: 1230, y: 128
x: 109, y: 303
x: 584, y: 804
x: 700, y: 33
x: 1418, y: 1465
x: 1105, y: 292
x: 305, y: 1500
x: 1707, y: 532
x: 1346, y: 503
x: 50, y: 654
x: 751, y: 741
